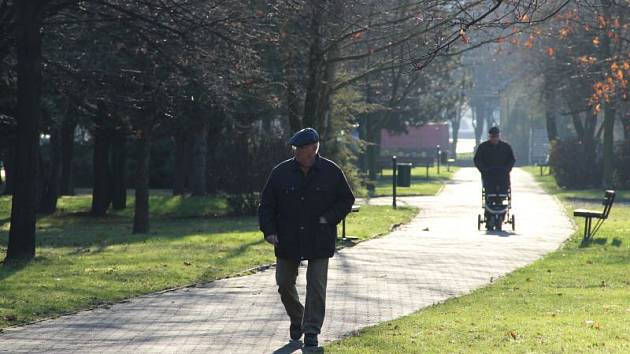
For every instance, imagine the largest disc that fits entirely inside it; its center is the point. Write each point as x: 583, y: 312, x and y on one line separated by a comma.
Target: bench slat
x: 588, y: 213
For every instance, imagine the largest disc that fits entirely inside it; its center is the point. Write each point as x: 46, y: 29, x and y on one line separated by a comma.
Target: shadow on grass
x: 601, y: 241
x: 8, y: 268
x: 96, y: 234
x: 235, y: 253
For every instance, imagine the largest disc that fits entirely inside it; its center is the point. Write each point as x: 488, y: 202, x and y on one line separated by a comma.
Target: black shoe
x: 295, y: 331
x: 310, y: 340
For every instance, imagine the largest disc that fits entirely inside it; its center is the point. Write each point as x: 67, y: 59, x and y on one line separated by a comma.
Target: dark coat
x: 292, y: 204
x: 495, y: 163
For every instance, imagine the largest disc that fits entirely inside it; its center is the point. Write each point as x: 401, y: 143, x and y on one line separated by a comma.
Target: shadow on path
x: 289, y: 348
x: 501, y: 233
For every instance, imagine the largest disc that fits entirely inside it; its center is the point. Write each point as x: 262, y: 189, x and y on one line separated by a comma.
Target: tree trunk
x: 51, y: 174
x: 293, y: 101
x: 372, y: 151
x: 608, y: 155
x: 455, y: 123
x: 214, y: 136
x: 101, y: 194
x: 182, y: 159
x: 577, y: 124
x: 608, y: 148
x: 625, y: 121
x: 363, y: 122
x: 29, y: 81
x: 119, y: 169
x: 8, y: 171
x: 325, y: 99
x: 456, y: 120
x: 552, y: 128
x: 550, y: 111
x: 479, y: 120
x: 68, y: 128
x: 315, y: 67
x: 143, y: 157
x: 198, y: 182
x: 589, y: 156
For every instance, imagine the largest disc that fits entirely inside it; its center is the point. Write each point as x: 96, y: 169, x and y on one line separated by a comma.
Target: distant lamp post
x: 394, y: 181
x: 438, y: 152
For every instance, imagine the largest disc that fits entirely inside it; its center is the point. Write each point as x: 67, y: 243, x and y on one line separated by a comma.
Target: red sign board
x: 417, y: 139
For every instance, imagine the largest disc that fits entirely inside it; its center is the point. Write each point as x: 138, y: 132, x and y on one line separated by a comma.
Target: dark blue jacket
x: 292, y: 204
x: 495, y: 163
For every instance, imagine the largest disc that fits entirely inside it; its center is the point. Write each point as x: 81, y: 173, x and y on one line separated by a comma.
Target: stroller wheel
x: 513, y: 223
x: 479, y: 222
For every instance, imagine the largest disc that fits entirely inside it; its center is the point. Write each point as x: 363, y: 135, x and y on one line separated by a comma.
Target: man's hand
x: 322, y: 220
x: 273, y: 239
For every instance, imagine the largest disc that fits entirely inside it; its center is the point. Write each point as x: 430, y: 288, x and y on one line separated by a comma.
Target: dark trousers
x: 310, y: 316
x: 496, y: 182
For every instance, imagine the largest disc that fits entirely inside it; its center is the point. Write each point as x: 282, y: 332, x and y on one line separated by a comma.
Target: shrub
x: 575, y: 164
x: 622, y: 164
x: 243, y: 204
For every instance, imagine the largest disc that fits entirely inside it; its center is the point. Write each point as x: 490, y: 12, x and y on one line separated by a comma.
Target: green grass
x: 83, y: 261
x: 161, y: 205
x: 420, y: 184
x: 574, y: 300
x: 569, y: 195
x: 465, y: 156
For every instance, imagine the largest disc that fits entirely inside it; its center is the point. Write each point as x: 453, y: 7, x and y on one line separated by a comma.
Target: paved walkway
x: 440, y: 254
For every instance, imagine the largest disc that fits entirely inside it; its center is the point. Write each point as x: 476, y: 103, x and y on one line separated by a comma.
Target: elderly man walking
x: 301, y: 204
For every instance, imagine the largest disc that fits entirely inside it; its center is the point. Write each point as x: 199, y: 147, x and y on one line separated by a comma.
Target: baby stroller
x: 496, y: 201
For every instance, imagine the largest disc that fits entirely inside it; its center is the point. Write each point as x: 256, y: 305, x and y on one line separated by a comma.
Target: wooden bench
x: 427, y: 162
x: 449, y: 163
x: 355, y: 209
x: 589, y: 215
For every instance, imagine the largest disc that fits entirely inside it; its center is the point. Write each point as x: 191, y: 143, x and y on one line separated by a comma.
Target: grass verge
x: 420, y: 183
x: 574, y: 300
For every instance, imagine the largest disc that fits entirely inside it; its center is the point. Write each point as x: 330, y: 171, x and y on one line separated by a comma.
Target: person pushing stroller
x: 494, y: 158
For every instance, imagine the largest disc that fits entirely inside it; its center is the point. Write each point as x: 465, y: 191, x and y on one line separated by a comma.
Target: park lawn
x: 160, y: 205
x: 569, y: 195
x: 420, y: 184
x: 574, y: 300
x: 83, y: 261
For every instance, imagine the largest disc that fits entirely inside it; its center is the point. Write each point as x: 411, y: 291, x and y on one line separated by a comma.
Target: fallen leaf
x: 513, y: 334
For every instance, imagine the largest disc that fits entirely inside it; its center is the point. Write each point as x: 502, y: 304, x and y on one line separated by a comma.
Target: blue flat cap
x: 304, y: 137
